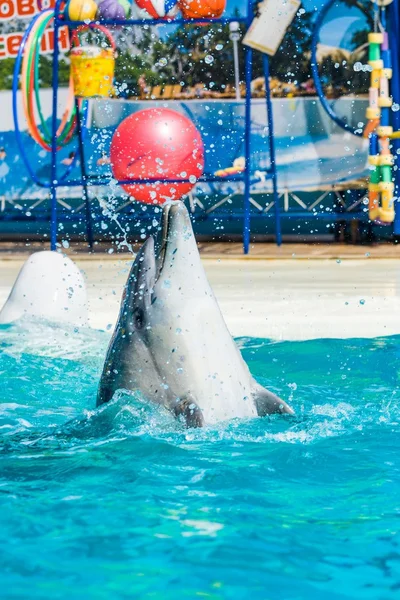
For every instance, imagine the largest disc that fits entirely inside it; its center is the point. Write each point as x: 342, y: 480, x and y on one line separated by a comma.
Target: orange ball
x: 198, y: 9
x: 157, y: 144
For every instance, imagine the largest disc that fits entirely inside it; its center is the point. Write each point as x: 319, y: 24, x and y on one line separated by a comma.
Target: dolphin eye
x: 138, y: 318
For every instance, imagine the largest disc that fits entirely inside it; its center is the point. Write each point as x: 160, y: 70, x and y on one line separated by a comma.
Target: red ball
x: 157, y: 143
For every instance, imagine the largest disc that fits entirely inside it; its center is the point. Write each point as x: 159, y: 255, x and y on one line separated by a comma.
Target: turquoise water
x: 124, y: 503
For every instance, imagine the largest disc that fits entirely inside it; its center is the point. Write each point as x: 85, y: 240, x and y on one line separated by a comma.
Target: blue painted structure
x: 314, y: 67
x: 392, y: 21
x: 86, y: 179
x: 394, y: 43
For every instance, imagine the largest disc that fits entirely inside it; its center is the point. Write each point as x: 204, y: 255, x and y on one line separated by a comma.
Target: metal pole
x: 394, y: 32
x: 234, y: 36
x: 271, y: 140
x: 89, y: 228
x: 236, y: 63
x: 53, y: 183
x: 248, y: 68
x: 247, y: 150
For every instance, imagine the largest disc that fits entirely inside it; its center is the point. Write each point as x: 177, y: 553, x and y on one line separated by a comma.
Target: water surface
x: 123, y: 502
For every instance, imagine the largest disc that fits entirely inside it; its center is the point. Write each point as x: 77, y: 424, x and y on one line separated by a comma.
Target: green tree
x: 189, y: 54
x: 6, y: 73
x: 128, y: 69
x: 46, y: 71
x: 291, y: 62
x: 198, y: 55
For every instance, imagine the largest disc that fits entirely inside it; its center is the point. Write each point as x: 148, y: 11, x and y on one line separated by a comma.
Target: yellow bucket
x: 92, y: 71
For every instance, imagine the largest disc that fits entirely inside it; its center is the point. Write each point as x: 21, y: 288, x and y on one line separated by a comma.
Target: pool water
x: 123, y: 502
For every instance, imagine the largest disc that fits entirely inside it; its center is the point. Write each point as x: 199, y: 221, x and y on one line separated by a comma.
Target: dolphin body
x: 171, y: 342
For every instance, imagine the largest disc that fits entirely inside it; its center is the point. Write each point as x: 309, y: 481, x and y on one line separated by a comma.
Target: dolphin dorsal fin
x: 268, y: 403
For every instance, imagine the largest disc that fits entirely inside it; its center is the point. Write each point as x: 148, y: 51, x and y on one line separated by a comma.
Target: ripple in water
x: 124, y: 502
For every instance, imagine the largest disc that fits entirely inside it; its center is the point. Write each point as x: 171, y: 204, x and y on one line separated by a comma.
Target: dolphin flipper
x: 190, y: 411
x: 267, y: 403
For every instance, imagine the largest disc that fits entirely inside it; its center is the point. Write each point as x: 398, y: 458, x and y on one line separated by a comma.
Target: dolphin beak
x: 162, y: 239
x: 178, y: 217
x: 175, y: 222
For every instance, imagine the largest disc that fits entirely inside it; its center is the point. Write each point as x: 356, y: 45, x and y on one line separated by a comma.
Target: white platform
x: 279, y: 299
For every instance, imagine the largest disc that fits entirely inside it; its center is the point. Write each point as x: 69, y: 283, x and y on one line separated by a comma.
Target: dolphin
x: 171, y: 342
x: 49, y: 286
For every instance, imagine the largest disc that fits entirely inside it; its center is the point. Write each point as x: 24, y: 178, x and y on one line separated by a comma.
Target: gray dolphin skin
x: 171, y: 342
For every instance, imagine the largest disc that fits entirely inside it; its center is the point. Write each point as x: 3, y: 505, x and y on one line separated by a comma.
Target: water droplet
x: 362, y: 301
x: 209, y: 59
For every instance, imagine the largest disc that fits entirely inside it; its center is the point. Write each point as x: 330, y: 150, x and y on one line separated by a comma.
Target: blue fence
x: 312, y: 152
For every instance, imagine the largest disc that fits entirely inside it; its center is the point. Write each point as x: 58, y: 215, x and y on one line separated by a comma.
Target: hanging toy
x: 157, y: 9
x: 379, y: 130
x: 92, y: 67
x: 113, y: 9
x: 197, y: 9
x: 80, y: 10
x: 30, y: 91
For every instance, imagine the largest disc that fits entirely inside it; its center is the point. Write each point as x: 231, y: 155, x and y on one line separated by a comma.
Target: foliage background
x: 192, y: 54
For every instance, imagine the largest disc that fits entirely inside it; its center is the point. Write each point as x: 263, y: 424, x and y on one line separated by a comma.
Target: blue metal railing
x: 393, y: 24
x: 87, y: 179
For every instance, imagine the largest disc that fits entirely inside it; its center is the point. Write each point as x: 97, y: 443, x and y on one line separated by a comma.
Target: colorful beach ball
x: 113, y: 9
x: 157, y: 144
x: 157, y: 9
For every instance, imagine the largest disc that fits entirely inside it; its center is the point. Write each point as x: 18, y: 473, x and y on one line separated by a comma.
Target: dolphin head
x: 162, y: 273
x: 178, y: 261
x: 49, y: 286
